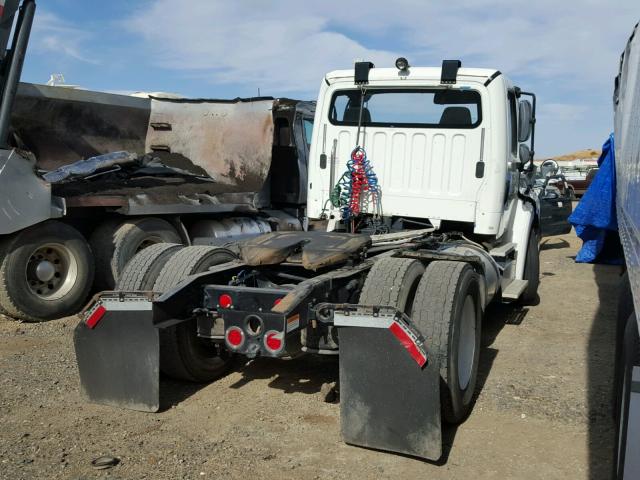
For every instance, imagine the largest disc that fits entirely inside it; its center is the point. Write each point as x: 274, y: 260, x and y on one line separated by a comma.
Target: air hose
x: 358, y: 188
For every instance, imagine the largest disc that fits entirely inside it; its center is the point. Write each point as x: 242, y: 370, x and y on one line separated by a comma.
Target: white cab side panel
x: 519, y: 233
x: 492, y: 195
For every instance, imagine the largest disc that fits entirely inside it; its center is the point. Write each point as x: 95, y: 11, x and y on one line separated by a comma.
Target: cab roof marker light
x: 402, y: 64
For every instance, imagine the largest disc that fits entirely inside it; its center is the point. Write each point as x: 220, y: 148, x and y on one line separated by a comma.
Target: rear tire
x: 447, y: 311
x: 46, y: 272
x: 189, y: 261
x: 3, y: 244
x: 143, y: 270
x: 183, y: 355
x: 392, y: 282
x: 532, y: 270
x: 115, y: 242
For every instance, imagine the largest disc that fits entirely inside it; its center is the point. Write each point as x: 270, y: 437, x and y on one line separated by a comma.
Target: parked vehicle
x: 627, y: 155
x: 88, y: 179
x: 580, y: 180
x: 555, y: 196
x: 404, y: 252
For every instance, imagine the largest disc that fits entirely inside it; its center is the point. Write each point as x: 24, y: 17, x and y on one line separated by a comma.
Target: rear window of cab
x: 418, y: 108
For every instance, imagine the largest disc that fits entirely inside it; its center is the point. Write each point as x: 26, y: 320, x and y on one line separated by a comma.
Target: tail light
x: 274, y: 341
x: 234, y: 337
x: 225, y: 301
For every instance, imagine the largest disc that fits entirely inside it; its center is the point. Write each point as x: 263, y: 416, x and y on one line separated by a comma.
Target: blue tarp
x: 595, y: 216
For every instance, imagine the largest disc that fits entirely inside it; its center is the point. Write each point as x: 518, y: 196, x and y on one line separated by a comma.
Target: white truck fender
x: 522, y: 225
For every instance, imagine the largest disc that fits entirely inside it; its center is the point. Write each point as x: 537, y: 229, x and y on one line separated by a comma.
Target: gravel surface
x: 542, y: 411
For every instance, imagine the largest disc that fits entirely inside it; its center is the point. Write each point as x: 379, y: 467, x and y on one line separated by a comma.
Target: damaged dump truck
x: 423, y: 182
x: 88, y: 179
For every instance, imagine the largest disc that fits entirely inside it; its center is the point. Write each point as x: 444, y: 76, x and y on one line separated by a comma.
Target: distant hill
x: 587, y: 154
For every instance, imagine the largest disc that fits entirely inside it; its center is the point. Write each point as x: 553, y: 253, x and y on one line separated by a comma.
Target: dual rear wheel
x: 116, y: 242
x: 47, y: 270
x: 160, y: 267
x: 443, y: 300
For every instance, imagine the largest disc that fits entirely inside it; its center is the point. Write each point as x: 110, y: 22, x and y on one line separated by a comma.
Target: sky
x: 567, y: 52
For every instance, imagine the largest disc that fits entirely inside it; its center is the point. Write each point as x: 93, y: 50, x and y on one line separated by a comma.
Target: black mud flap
x: 118, y: 353
x: 389, y: 386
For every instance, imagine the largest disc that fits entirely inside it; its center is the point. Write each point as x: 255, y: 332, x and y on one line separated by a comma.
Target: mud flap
x: 388, y: 400
x: 118, y: 354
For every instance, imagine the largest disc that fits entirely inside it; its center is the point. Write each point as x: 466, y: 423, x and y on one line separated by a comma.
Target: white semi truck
x: 421, y: 212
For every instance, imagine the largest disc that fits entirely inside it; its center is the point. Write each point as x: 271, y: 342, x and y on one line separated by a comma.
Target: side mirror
x: 549, y: 168
x: 524, y: 155
x: 525, y: 119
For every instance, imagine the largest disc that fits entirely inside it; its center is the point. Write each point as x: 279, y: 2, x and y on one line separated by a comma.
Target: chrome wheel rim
x: 466, y: 342
x: 51, y: 271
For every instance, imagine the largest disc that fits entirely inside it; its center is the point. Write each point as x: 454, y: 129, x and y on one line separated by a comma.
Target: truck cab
x: 446, y: 152
x: 449, y: 147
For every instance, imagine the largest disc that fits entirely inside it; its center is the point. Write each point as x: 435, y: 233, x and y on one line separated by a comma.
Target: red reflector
x: 273, y: 340
x: 225, y: 300
x: 235, y: 337
x: 408, y: 343
x: 96, y: 316
x: 277, y: 301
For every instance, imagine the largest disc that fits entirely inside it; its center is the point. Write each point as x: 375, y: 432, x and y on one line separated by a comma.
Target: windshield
x: 426, y: 108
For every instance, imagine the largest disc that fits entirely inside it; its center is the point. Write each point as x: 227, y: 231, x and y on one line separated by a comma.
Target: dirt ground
x: 542, y: 409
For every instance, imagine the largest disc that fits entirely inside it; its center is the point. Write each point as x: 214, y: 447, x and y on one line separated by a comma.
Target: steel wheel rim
x: 51, y: 271
x: 466, y: 342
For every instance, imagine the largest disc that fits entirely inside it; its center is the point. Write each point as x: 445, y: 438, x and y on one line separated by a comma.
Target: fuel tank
x: 491, y: 276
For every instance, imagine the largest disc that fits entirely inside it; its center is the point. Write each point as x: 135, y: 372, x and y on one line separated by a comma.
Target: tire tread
x: 433, y: 307
x: 185, y: 262
x: 384, y: 281
x: 108, y: 241
x: 7, y: 307
x: 139, y: 272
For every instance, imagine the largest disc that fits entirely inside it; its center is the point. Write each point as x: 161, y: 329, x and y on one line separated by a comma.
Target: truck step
x: 503, y: 251
x: 514, y: 289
